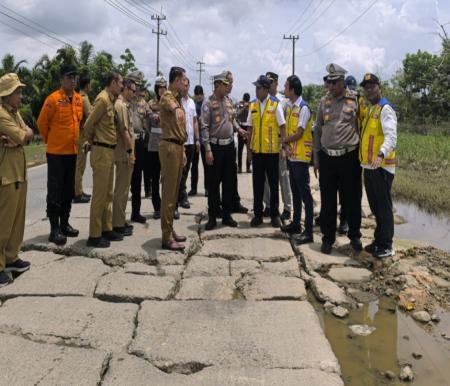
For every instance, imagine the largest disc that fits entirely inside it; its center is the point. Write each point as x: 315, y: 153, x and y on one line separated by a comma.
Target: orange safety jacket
x: 59, y: 122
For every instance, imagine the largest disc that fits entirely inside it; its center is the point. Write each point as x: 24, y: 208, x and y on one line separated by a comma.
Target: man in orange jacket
x: 59, y: 125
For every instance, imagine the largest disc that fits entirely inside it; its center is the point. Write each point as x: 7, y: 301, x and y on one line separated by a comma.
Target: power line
x: 158, y: 32
x: 300, y: 17
x: 313, y: 11
x: 293, y: 38
x: 24, y: 33
x: 342, y: 31
x: 318, y: 17
x: 200, y: 70
x: 128, y: 13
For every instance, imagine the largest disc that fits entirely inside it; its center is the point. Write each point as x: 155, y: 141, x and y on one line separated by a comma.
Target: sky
x: 244, y: 36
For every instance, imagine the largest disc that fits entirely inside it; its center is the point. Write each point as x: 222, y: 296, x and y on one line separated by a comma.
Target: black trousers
x: 194, y: 171
x: 136, y: 178
x: 189, y: 150
x: 155, y: 169
x: 221, y: 172
x: 242, y: 141
x: 301, y: 194
x: 205, y: 168
x: 378, y: 185
x: 343, y: 172
x: 236, y: 199
x: 265, y: 165
x: 60, y: 183
x: 147, y: 171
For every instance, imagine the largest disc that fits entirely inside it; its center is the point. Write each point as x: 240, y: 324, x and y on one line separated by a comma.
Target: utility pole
x: 158, y: 32
x: 293, y: 38
x: 200, y: 70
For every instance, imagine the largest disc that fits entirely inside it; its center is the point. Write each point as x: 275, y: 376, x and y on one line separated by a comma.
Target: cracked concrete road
x: 230, y: 310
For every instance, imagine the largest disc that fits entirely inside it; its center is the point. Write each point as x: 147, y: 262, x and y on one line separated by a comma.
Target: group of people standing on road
x: 167, y: 136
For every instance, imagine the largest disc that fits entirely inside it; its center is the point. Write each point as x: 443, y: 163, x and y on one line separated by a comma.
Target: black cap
x: 246, y: 97
x: 370, y: 78
x: 198, y: 90
x: 262, y: 81
x: 272, y: 76
x: 68, y: 69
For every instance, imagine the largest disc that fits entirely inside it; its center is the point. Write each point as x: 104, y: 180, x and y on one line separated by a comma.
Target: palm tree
x: 8, y: 64
x: 86, y: 53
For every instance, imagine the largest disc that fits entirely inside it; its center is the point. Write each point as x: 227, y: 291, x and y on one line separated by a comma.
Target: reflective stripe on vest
x: 301, y: 150
x: 265, y: 133
x: 372, y: 137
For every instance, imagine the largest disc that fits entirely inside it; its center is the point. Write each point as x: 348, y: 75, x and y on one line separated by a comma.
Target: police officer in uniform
x: 218, y: 126
x: 101, y: 138
x: 124, y: 157
x: 378, y: 159
x: 267, y: 130
x: 336, y: 140
x: 13, y: 177
x: 171, y: 155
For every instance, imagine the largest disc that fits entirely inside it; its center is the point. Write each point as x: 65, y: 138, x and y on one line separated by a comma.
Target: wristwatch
x: 380, y: 154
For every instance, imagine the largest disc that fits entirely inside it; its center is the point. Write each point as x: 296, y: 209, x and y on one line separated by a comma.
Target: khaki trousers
x: 102, y: 163
x: 121, y: 189
x: 171, y: 158
x: 81, y: 166
x: 13, y: 200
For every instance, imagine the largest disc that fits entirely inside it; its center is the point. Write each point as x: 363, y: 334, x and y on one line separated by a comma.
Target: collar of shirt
x: 296, y: 103
x: 9, y: 108
x: 110, y: 95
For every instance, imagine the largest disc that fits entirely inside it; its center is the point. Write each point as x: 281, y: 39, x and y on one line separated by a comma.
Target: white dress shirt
x: 191, y: 114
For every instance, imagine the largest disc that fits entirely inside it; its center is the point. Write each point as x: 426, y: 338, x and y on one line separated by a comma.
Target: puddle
x: 396, y: 337
x: 422, y: 226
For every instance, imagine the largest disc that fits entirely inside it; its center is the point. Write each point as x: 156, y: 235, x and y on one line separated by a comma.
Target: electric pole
x: 200, y: 70
x: 293, y: 38
x: 158, y: 32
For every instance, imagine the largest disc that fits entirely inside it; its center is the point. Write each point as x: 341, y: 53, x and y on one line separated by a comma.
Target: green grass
x: 35, y: 154
x: 423, y: 173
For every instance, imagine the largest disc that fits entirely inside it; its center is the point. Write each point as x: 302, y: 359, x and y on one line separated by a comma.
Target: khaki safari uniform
x: 123, y: 170
x: 100, y: 132
x: 13, y: 185
x: 81, y: 157
x: 171, y: 151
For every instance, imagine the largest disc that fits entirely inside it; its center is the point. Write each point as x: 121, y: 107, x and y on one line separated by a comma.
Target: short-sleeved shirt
x: 279, y: 112
x: 191, y: 114
x: 100, y: 125
x: 171, y: 128
x: 123, y: 124
x: 87, y: 107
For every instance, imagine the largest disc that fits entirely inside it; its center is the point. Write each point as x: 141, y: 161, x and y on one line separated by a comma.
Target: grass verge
x: 423, y: 174
x: 35, y: 154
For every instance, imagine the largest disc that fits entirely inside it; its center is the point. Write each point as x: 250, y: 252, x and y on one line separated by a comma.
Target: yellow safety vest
x: 265, y: 132
x: 372, y: 137
x: 300, y: 150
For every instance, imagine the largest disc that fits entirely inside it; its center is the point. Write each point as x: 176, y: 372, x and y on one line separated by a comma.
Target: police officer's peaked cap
x: 136, y: 76
x: 9, y: 84
x: 335, y: 71
x: 222, y: 77
x: 370, y: 78
x: 272, y: 76
x: 160, y: 81
x: 68, y: 69
x: 262, y: 81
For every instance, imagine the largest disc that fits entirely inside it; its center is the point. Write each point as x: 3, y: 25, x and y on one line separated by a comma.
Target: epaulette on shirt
x: 273, y: 98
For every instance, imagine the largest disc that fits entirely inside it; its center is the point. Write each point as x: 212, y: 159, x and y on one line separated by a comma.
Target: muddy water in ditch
x: 396, y: 337
x: 422, y: 226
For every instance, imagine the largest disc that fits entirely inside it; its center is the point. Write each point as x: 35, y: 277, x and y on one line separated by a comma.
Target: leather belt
x: 339, y: 152
x: 173, y: 140
x: 103, y: 144
x: 222, y: 142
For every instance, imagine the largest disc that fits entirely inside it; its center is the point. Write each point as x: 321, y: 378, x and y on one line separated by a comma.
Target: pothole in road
x: 187, y: 368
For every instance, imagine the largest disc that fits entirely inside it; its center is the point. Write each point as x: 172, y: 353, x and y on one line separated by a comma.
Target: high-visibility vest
x: 300, y: 150
x: 265, y: 132
x: 372, y: 137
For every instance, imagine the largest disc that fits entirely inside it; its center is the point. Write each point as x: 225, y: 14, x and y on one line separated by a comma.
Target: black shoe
x: 286, y: 215
x: 256, y: 221
x: 86, y: 195
x: 266, y: 212
x: 137, y: 217
x: 5, y: 279
x: 147, y: 194
x: 227, y: 220
x: 112, y: 236
x: 239, y: 208
x: 157, y: 215
x: 68, y: 231
x: 98, y: 242
x: 176, y: 214
x: 317, y: 221
x: 356, y: 244
x: 275, y: 221
x: 81, y: 199
x: 240, y: 170
x: 370, y: 248
x: 383, y: 253
x: 343, y: 228
x: 18, y: 266
x: 123, y: 231
x: 326, y: 247
x: 185, y: 204
x: 219, y: 214
x: 211, y: 224
x: 57, y: 237
x: 304, y: 238
x: 249, y: 170
x: 128, y: 226
x: 291, y: 228
x: 192, y: 192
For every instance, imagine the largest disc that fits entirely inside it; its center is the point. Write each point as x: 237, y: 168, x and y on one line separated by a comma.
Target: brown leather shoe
x: 178, y: 238
x: 172, y: 245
